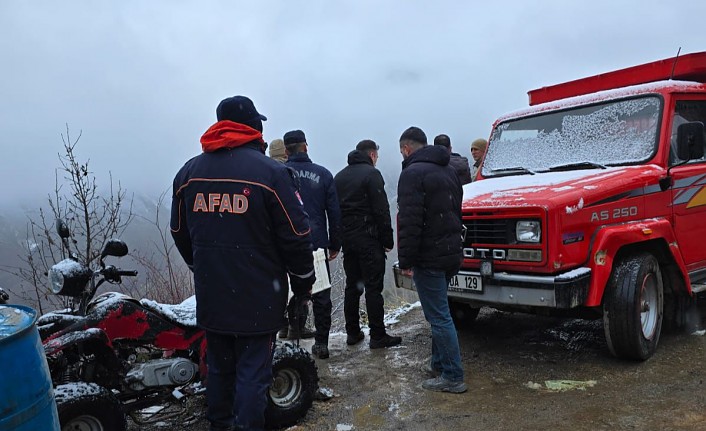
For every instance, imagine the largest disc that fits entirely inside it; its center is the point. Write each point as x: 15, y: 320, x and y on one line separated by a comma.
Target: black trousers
x: 364, y: 264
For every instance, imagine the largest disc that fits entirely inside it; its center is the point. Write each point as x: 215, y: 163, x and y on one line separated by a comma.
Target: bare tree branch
x: 92, y: 219
x: 168, y: 279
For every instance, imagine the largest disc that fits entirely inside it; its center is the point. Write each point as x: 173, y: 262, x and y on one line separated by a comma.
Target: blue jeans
x: 432, y: 288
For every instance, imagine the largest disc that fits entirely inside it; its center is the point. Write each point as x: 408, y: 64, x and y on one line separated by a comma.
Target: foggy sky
x: 141, y: 79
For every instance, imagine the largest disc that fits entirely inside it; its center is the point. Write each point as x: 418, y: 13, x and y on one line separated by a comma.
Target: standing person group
x: 355, y: 205
x: 247, y: 224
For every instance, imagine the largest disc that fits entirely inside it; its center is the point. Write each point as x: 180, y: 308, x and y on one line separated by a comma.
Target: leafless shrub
x: 92, y: 218
x: 168, y: 279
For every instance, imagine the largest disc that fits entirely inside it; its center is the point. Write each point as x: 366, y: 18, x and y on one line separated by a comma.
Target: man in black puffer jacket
x: 239, y: 223
x: 430, y: 248
x: 367, y: 236
x: 456, y: 161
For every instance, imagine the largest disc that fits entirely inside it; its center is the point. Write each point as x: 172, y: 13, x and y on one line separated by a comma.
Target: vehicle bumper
x: 567, y: 290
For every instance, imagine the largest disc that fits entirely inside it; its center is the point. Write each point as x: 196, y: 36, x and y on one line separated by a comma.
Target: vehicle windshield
x: 588, y: 137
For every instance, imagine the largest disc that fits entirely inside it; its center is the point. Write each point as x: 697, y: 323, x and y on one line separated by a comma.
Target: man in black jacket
x: 239, y: 223
x: 367, y: 236
x: 430, y: 249
x: 456, y: 161
x: 321, y: 204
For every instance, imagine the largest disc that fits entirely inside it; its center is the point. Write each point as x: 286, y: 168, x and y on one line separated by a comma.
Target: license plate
x: 466, y: 283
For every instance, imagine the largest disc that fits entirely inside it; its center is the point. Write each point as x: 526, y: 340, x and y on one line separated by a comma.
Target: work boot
x: 440, y: 384
x: 320, y: 351
x: 301, y: 334
x: 283, y: 333
x: 355, y: 339
x: 386, y: 341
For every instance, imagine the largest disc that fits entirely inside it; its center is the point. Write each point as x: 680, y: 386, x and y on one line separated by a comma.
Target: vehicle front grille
x: 489, y: 231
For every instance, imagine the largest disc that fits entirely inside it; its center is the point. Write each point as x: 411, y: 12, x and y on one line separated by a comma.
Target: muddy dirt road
x: 508, y: 358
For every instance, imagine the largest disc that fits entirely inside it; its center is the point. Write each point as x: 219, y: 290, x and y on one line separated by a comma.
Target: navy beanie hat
x: 294, y: 137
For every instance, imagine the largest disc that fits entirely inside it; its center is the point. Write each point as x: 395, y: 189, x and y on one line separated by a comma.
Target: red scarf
x: 228, y: 134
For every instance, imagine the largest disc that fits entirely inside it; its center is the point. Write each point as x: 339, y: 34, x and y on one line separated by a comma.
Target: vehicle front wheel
x: 88, y: 407
x: 463, y: 314
x: 633, y: 307
x: 294, y: 381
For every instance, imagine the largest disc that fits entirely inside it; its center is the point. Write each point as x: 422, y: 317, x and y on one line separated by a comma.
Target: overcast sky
x: 141, y: 79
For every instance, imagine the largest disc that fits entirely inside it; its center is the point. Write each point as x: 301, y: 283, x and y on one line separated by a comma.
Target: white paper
x: 322, y: 281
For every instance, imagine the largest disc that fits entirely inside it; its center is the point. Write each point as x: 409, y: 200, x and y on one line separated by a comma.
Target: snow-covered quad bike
x: 112, y: 355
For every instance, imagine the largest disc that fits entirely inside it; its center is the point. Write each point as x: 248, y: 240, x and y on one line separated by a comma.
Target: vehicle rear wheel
x: 88, y: 407
x: 463, y: 314
x: 294, y: 381
x: 633, y: 307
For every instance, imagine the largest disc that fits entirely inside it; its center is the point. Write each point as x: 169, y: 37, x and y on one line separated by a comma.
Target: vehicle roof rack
x: 688, y: 67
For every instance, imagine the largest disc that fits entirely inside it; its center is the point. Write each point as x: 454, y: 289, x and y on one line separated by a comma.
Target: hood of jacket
x: 356, y: 157
x: 228, y: 134
x: 429, y: 154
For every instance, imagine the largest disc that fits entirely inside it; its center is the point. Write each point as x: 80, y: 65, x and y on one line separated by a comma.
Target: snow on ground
x: 394, y: 315
x: 391, y: 317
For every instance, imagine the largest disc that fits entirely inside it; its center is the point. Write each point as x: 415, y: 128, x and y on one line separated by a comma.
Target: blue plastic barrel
x: 26, y: 393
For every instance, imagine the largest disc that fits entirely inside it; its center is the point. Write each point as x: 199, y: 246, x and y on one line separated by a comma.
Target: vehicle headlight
x: 68, y: 278
x: 528, y: 231
x: 56, y: 281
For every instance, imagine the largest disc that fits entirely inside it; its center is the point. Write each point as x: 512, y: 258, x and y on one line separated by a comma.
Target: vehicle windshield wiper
x: 576, y: 165
x: 515, y: 170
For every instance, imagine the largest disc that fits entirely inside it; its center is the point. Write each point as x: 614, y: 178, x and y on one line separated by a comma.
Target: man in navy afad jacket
x: 429, y: 247
x: 321, y: 203
x: 238, y: 221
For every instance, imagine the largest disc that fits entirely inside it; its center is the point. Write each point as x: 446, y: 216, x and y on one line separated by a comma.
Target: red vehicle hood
x: 571, y: 189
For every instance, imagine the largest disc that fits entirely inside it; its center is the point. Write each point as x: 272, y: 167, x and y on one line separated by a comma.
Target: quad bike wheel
x: 88, y: 407
x: 294, y: 382
x: 633, y: 307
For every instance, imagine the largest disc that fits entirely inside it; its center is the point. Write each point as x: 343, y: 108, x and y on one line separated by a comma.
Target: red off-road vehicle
x: 593, y: 203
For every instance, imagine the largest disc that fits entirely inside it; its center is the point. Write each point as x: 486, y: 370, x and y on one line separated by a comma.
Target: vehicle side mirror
x: 114, y: 247
x: 690, y: 140
x: 62, y: 229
